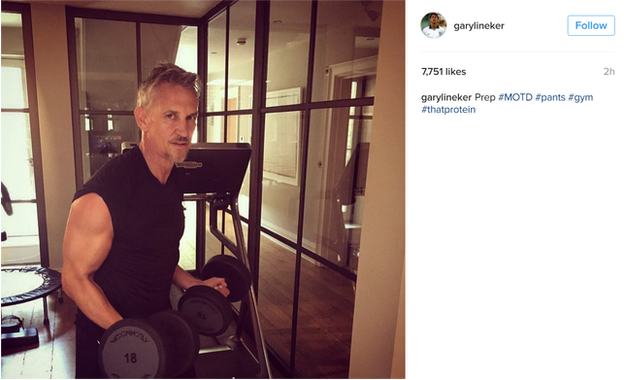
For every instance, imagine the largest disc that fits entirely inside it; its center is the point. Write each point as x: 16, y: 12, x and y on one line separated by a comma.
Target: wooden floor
x: 324, y: 314
x: 55, y: 355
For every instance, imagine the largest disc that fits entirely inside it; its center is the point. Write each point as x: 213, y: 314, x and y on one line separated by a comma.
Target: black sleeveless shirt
x: 148, y: 222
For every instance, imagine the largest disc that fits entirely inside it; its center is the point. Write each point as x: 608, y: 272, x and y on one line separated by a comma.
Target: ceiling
x: 181, y: 8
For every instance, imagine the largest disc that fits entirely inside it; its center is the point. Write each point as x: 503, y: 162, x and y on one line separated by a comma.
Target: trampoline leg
x: 46, y: 321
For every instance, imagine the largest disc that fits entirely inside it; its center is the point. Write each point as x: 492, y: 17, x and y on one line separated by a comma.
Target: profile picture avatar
x: 433, y: 25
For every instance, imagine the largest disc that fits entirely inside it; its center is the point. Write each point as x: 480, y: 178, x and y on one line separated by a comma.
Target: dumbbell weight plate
x: 207, y: 308
x: 130, y: 349
x: 164, y: 345
x: 233, y: 270
x: 181, y: 341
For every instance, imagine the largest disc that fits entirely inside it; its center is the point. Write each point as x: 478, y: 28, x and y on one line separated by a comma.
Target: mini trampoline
x: 18, y: 285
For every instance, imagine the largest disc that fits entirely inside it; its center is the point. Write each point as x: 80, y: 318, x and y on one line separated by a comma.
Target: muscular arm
x: 88, y: 240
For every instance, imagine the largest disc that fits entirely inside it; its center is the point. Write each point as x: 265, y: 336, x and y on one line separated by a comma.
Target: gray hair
x: 166, y: 73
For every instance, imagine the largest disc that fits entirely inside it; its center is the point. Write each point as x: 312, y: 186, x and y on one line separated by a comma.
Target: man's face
x: 170, y: 122
x: 434, y: 19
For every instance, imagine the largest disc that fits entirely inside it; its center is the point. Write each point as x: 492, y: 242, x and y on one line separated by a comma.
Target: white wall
x: 55, y: 123
x: 379, y: 321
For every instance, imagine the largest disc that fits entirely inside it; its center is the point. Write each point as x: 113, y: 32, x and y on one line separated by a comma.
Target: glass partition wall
x: 296, y: 80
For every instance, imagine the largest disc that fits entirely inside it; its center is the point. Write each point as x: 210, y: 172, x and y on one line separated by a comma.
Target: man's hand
x: 218, y: 284
x: 184, y: 280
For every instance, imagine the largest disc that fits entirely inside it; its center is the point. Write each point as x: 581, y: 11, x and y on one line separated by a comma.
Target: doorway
x: 23, y: 216
x: 347, y: 138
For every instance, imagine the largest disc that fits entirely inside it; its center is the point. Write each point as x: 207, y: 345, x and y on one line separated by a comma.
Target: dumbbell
x: 208, y: 308
x: 164, y: 345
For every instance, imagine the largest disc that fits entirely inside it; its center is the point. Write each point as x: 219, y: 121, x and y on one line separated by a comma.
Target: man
x: 434, y: 30
x: 121, y: 242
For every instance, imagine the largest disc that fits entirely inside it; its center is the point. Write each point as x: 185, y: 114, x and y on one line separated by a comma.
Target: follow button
x: 591, y: 25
